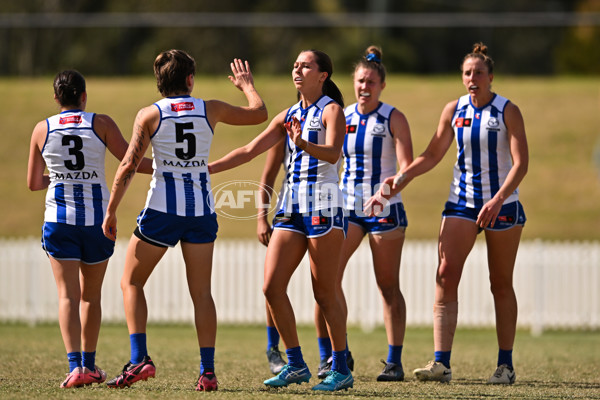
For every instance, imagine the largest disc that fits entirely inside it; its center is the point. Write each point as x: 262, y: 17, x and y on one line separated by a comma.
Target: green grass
x: 557, y: 365
x: 561, y: 192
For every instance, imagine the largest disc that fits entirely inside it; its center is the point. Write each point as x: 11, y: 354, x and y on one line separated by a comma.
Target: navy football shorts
x: 76, y: 242
x: 166, y: 230
x: 393, y: 219
x: 313, y: 224
x: 510, y: 215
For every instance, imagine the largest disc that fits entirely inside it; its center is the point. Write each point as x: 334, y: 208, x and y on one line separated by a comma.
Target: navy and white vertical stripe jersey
x: 74, y: 156
x: 311, y: 184
x: 369, y: 154
x: 483, y: 159
x: 180, y: 148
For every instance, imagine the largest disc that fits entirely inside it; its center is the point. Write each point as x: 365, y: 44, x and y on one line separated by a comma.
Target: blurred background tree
x: 114, y: 37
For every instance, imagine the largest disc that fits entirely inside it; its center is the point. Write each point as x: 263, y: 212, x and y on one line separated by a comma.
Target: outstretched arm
x: 267, y: 139
x: 254, y: 113
x: 433, y: 154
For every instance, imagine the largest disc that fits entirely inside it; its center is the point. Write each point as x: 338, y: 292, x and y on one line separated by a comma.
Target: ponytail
x: 69, y: 85
x: 330, y: 89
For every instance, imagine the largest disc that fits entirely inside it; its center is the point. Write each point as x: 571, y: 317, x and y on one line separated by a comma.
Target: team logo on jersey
x: 477, y: 115
x: 72, y: 119
x: 314, y: 124
x: 317, y: 220
x: 378, y: 130
x: 462, y: 122
x: 493, y: 122
x: 184, y: 106
x: 350, y: 129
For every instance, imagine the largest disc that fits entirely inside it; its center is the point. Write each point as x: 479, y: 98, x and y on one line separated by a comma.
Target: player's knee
x: 448, y: 276
x: 271, y: 292
x: 502, y: 289
x: 390, y: 289
x: 92, y: 299
x: 70, y: 299
x: 324, y: 297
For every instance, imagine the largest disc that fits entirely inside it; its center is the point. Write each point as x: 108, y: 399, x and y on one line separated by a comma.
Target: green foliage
x: 108, y: 48
x: 555, y: 365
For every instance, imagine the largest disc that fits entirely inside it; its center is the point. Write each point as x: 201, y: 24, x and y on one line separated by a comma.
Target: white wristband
x: 398, y: 179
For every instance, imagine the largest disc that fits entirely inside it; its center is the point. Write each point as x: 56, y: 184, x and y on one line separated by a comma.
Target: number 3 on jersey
x: 181, y: 136
x: 77, y: 143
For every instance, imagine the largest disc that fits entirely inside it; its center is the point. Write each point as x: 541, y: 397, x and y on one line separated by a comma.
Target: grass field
x: 557, y: 365
x: 561, y: 192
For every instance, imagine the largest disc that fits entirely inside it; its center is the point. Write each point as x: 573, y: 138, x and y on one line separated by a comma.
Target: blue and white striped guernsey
x: 74, y: 156
x: 311, y: 184
x: 369, y: 154
x: 483, y: 159
x: 180, y: 148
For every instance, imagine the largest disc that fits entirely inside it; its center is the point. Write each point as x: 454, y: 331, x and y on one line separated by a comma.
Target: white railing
x: 557, y: 285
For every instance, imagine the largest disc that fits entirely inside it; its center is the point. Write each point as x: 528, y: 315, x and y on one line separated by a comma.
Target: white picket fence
x: 557, y: 285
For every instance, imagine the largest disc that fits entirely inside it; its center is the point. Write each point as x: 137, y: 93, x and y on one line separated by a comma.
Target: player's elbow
x: 35, y: 187
x: 35, y: 184
x: 332, y: 158
x: 521, y: 166
x: 261, y: 114
x: 258, y: 114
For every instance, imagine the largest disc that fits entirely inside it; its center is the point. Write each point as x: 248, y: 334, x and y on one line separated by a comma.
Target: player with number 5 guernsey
x: 72, y: 146
x: 178, y: 208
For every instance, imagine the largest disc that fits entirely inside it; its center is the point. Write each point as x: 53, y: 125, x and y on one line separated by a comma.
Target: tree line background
x: 40, y: 37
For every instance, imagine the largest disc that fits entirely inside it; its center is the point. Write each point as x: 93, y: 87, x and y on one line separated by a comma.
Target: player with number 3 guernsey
x: 180, y: 128
x: 72, y: 146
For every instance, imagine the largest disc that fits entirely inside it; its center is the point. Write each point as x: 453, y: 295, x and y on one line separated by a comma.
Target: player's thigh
x: 325, y: 253
x: 66, y: 275
x: 92, y: 276
x: 354, y: 237
x: 284, y: 253
x: 198, y: 259
x: 502, y: 247
x: 140, y: 260
x: 456, y: 240
x: 386, y: 251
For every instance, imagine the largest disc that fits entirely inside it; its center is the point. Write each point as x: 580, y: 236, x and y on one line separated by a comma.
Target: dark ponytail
x: 329, y: 87
x: 69, y: 85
